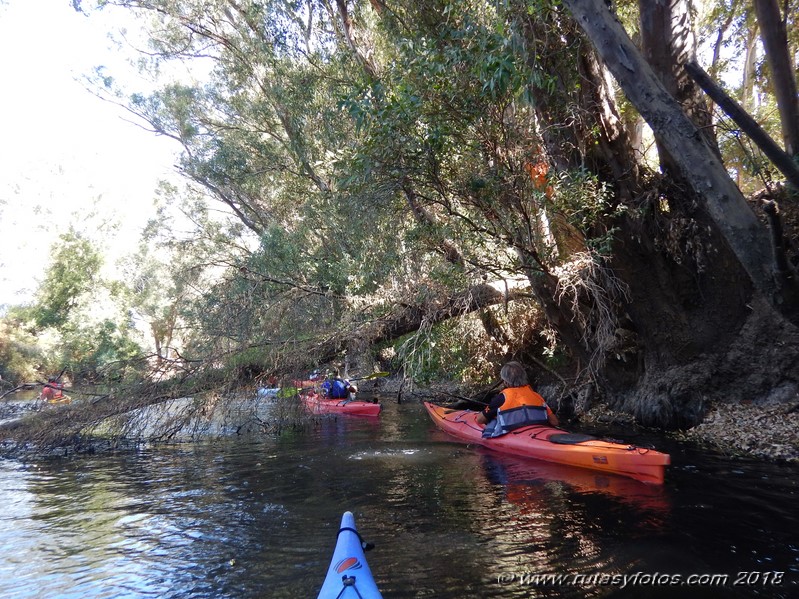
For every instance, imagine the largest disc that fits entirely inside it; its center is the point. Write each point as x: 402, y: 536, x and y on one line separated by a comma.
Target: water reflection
x: 257, y: 517
x: 525, y: 479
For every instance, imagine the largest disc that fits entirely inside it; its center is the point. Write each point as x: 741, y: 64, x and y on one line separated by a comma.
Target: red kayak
x: 319, y: 404
x: 555, y: 445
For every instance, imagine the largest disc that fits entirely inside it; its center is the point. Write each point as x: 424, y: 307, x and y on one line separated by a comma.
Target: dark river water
x: 245, y: 517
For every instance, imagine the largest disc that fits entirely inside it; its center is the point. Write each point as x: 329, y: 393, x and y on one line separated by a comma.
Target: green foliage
x: 461, y: 350
x: 744, y: 160
x: 363, y: 166
x: 20, y: 355
x: 556, y: 357
x: 104, y: 351
x: 73, y: 271
x: 82, y: 323
x: 581, y: 197
x: 172, y: 109
x: 252, y: 359
x: 435, y: 356
x: 318, y: 155
x: 153, y: 288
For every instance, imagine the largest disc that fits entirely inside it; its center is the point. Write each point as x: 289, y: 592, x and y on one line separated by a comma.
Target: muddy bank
x: 765, y: 432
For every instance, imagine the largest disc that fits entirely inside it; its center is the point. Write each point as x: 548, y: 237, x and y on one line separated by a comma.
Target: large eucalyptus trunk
x: 695, y: 159
x: 667, y: 43
x: 775, y: 41
x: 697, y: 271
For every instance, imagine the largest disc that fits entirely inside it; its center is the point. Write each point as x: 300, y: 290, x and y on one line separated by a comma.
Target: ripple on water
x: 246, y: 519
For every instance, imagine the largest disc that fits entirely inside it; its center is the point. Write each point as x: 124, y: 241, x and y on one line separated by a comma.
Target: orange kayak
x: 555, y: 445
x: 318, y: 404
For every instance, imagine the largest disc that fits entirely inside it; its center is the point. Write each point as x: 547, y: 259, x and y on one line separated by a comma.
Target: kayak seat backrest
x: 570, y: 438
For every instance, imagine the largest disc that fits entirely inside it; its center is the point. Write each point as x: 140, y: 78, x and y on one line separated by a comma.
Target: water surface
x: 257, y: 517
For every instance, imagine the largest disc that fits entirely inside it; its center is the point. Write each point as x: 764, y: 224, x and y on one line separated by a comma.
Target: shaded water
x: 245, y: 518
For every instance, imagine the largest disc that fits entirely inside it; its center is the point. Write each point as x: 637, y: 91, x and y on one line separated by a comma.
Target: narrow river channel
x: 244, y: 518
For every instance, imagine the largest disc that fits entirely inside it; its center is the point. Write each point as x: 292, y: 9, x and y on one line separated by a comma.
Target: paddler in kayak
x: 337, y: 387
x: 52, y: 390
x: 516, y: 406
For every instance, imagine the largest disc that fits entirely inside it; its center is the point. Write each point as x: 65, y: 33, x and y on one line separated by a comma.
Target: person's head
x: 513, y: 374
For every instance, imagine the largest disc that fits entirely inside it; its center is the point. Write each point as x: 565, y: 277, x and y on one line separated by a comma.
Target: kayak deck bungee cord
x: 348, y: 575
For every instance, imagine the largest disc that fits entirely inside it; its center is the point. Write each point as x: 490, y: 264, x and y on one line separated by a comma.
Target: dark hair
x: 514, y: 374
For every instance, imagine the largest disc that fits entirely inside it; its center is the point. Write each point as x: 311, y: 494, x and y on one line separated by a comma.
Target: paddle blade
x: 375, y: 375
x: 286, y: 392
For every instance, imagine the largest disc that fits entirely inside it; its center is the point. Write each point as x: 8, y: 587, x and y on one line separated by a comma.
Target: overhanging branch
x: 748, y: 125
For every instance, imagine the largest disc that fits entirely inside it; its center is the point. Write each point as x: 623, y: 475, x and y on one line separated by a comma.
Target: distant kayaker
x: 52, y: 390
x: 339, y: 387
x: 516, y: 406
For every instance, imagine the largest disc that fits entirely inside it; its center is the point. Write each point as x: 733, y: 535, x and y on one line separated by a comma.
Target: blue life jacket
x: 339, y: 389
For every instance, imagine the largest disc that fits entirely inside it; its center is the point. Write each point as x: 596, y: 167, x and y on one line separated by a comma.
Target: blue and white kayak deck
x: 349, y: 574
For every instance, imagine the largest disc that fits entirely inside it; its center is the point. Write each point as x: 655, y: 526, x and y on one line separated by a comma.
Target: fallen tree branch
x: 411, y: 318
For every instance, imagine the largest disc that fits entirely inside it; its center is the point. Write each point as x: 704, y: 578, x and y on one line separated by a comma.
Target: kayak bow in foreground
x: 555, y: 445
x: 349, y: 574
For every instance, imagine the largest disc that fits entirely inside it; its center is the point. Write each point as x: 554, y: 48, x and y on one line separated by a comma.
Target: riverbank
x: 768, y: 433
x: 764, y: 432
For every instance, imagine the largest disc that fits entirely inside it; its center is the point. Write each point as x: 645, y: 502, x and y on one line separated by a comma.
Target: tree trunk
x: 667, y: 42
x: 719, y: 43
x: 696, y: 160
x: 750, y: 63
x: 775, y: 41
x: 748, y: 125
x: 409, y: 318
